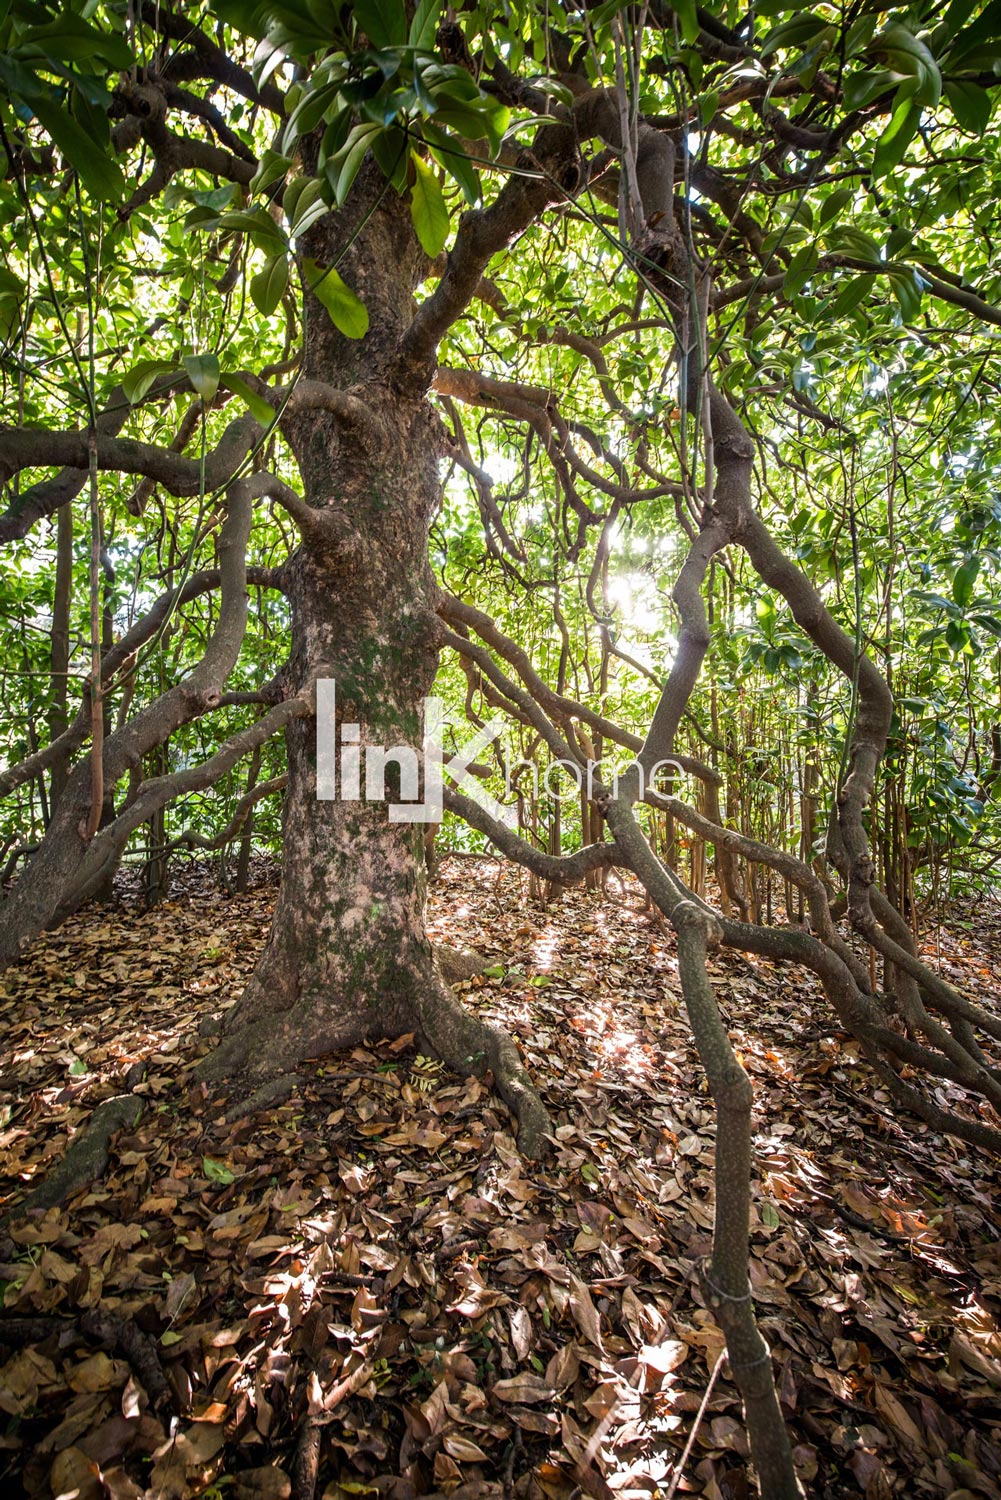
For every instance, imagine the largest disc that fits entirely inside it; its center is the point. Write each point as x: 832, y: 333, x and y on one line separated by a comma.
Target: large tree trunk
x: 348, y: 957
x: 347, y: 951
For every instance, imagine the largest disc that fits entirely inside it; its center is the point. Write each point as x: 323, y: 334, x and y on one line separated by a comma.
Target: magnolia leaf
x: 141, y: 377
x: 424, y: 26
x: 384, y: 22
x: 347, y: 311
x: 100, y: 174
x: 272, y: 169
x: 896, y: 138
x: 963, y: 581
x: 342, y: 169
x: 449, y: 153
x: 267, y: 288
x: 428, y: 208
x: 970, y: 104
x: 203, y: 372
x: 257, y: 405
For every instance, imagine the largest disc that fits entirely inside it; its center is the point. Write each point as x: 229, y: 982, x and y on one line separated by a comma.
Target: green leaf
x: 424, y: 26
x: 896, y: 137
x: 801, y: 268
x: 970, y: 104
x: 256, y: 222
x: 384, y: 22
x: 71, y: 39
x: 78, y: 1068
x: 496, y: 971
x: 850, y: 295
x: 304, y: 206
x: 97, y: 171
x: 428, y: 208
x: 343, y: 168
x: 796, y: 32
x: 215, y: 1171
x: 309, y: 112
x: 272, y: 169
x: 475, y: 121
x: 907, y: 289
x: 140, y: 378
x: 447, y: 151
x: 267, y: 288
x: 841, y: 237
x: 256, y: 405
x: 203, y: 372
x: 862, y: 88
x: 688, y: 19
x: 389, y: 148
x: 910, y: 57
x: 346, y: 310
x: 963, y: 581
x: 835, y: 202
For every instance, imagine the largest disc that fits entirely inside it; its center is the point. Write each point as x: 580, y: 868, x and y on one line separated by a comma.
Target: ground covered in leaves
x: 372, y: 1269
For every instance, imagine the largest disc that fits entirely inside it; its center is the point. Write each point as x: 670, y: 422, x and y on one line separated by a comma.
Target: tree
x: 351, y: 208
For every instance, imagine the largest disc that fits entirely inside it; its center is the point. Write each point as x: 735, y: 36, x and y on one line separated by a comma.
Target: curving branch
x: 49, y: 495
x: 40, y: 447
x: 549, y: 174
x: 190, y: 839
x: 36, y: 897
x: 105, y: 850
x: 457, y: 612
x: 565, y: 869
x: 120, y: 659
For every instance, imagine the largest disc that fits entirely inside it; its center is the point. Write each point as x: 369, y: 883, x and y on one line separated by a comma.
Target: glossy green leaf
x: 384, y: 22
x: 140, y: 379
x: 347, y: 311
x: 256, y: 405
x: 267, y: 288
x: 203, y: 372
x: 424, y: 25
x: 970, y: 103
x: 98, y: 171
x: 427, y: 208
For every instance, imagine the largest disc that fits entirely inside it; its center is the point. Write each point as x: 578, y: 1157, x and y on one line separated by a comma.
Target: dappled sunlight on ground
x: 377, y: 1249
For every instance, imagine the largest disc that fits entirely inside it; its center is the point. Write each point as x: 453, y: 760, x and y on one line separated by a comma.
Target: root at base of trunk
x: 470, y: 1045
x: 264, y: 1055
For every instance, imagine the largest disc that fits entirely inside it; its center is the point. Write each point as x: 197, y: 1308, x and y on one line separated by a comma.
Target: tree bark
x: 59, y: 710
x: 348, y: 958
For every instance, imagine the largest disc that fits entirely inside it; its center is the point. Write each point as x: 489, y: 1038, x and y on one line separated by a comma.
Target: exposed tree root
x: 458, y: 964
x: 270, y: 1094
x: 86, y: 1156
x: 470, y: 1045
x: 264, y: 1055
x: 136, y: 1347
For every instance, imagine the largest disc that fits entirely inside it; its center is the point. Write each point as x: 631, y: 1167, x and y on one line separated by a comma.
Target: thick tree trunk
x: 348, y: 957
x: 347, y: 952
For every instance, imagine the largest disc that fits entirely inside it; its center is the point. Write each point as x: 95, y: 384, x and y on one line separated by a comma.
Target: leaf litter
x: 372, y: 1269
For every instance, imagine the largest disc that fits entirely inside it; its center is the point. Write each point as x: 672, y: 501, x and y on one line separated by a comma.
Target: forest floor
x: 373, y: 1267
